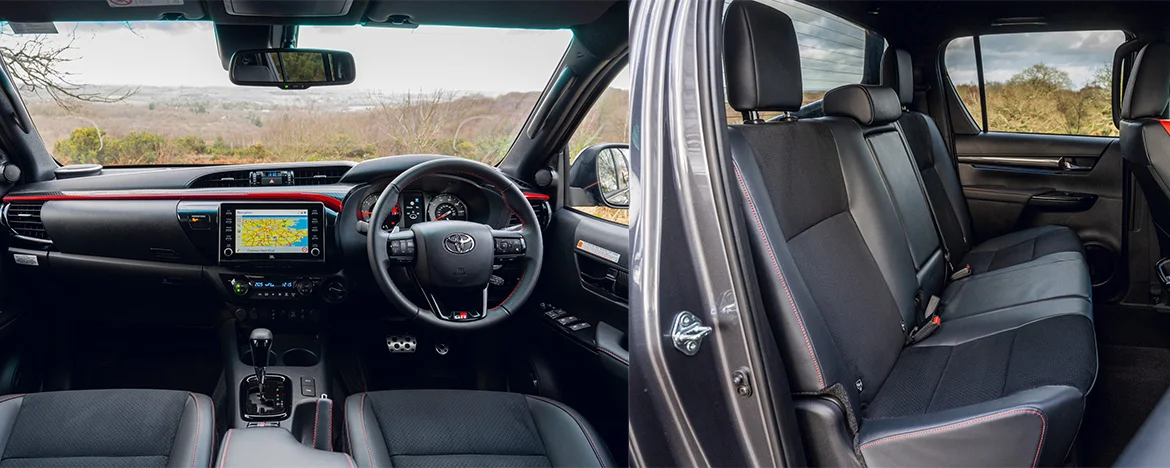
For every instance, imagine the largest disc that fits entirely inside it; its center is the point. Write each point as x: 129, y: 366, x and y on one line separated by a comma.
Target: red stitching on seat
x: 198, y: 425
x: 592, y: 445
x: 783, y: 282
x: 12, y: 397
x: 316, y: 417
x: 1039, y: 446
x: 365, y: 436
x: 349, y: 460
x: 226, y: 442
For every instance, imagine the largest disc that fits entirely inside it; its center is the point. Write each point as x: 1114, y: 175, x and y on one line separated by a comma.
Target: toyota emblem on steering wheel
x: 459, y: 243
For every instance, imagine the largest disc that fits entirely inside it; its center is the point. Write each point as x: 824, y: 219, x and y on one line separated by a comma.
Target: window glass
x: 1049, y: 82
x: 156, y: 93
x: 832, y: 51
x: 607, y: 175
x: 961, y: 68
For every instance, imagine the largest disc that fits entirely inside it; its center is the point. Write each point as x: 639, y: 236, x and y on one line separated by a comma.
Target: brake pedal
x: 401, y: 343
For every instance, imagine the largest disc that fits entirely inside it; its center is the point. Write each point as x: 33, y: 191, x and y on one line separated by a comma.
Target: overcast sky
x: 489, y: 61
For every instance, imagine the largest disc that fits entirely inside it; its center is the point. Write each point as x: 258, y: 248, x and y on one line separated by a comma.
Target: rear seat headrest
x: 762, y: 59
x: 867, y: 104
x: 1148, y: 89
x: 898, y: 74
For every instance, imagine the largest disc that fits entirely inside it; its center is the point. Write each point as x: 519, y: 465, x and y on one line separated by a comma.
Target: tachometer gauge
x: 446, y: 207
x: 367, y: 211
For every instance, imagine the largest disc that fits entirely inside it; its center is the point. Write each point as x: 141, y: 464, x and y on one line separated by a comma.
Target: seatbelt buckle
x: 961, y: 273
x: 923, y: 332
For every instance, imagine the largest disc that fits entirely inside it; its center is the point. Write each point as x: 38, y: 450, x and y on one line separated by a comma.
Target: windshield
x: 157, y: 93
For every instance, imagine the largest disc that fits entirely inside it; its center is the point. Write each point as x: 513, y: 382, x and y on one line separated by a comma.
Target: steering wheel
x: 452, y: 261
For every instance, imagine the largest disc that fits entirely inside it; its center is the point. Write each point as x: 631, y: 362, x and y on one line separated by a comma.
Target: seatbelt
x: 929, y: 326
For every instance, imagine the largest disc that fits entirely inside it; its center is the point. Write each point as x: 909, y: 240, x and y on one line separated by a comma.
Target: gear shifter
x: 261, y: 343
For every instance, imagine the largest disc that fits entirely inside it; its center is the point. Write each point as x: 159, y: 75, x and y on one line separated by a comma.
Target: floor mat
x: 1130, y: 382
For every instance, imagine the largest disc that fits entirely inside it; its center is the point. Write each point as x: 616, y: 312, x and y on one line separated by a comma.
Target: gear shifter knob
x: 260, y: 342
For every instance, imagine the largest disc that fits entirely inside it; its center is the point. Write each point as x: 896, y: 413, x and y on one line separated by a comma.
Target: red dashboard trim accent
x: 328, y: 201
x: 536, y: 196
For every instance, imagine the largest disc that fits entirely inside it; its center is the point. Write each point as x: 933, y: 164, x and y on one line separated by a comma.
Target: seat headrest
x: 1149, y: 83
x: 898, y: 74
x: 762, y: 58
x: 867, y: 104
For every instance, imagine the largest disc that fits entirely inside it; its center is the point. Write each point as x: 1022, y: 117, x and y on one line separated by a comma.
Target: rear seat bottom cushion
x: 1021, y: 247
x: 939, y: 375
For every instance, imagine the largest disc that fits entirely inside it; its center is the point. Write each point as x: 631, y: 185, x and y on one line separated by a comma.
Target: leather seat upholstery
x: 95, y: 428
x: 468, y: 428
x: 846, y: 248
x: 1145, y: 135
x: 940, y: 180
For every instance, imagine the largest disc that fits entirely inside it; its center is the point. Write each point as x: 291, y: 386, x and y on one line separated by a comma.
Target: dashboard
x: 280, y: 241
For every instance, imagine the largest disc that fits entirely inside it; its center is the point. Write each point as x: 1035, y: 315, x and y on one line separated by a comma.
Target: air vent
x: 25, y: 220
x: 322, y: 176
x: 543, y: 213
x: 223, y: 180
x: 311, y: 176
x: 335, y: 291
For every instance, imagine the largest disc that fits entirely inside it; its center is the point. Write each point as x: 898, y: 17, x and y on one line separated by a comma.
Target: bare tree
x: 35, y: 64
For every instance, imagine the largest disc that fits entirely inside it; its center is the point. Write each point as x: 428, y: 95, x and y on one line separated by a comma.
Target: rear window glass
x: 833, y: 51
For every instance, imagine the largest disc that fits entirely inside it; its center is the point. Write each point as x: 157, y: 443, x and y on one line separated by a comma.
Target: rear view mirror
x: 601, y: 176
x: 291, y: 68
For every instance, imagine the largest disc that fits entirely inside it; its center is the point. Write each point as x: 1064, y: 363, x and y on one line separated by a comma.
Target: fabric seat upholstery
x: 95, y: 428
x: 940, y: 179
x: 468, y: 428
x: 845, y: 247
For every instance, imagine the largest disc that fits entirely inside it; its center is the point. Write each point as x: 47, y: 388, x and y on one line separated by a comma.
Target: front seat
x: 1145, y: 137
x: 468, y: 428
x: 94, y: 428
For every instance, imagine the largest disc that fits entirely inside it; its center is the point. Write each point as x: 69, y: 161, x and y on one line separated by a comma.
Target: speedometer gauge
x: 446, y: 207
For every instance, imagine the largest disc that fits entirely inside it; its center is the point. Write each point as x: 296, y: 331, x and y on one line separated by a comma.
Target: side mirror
x: 291, y: 68
x: 601, y: 176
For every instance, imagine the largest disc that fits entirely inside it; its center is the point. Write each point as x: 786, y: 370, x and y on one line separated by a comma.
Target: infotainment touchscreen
x: 272, y: 231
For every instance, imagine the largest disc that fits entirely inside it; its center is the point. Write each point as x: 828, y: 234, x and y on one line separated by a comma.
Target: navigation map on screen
x: 272, y: 231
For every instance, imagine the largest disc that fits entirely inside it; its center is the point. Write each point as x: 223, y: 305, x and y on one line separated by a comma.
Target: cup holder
x: 300, y: 357
x: 246, y: 358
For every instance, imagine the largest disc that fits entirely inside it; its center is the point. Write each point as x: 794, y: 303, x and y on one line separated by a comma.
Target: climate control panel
x: 268, y: 287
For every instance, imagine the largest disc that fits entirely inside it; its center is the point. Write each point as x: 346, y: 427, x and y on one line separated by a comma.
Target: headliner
x: 907, y: 23
x: 531, y: 14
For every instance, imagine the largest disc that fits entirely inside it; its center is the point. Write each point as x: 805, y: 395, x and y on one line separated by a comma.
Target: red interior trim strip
x: 536, y: 196
x: 1165, y: 125
x: 328, y: 201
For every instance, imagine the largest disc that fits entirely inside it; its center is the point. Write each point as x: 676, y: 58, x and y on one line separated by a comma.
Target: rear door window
x: 1045, y: 82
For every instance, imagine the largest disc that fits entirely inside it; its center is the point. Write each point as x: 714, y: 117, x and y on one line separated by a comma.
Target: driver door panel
x: 581, y: 318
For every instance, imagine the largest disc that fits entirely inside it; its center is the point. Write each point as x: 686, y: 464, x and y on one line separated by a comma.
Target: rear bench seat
x: 941, y: 181
x: 848, y: 252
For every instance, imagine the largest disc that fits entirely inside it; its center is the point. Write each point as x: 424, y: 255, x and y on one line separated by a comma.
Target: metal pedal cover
x: 401, y: 343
